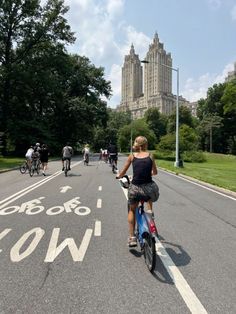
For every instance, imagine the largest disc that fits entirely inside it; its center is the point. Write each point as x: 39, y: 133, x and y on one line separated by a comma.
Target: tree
x: 208, y: 124
x: 128, y: 133
x: 185, y: 117
x: 156, y: 121
x: 24, y: 27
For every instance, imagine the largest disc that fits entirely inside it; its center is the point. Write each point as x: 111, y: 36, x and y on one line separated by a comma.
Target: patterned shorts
x: 146, y: 191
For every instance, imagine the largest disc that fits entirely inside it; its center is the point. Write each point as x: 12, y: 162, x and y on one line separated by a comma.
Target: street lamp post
x: 177, y: 161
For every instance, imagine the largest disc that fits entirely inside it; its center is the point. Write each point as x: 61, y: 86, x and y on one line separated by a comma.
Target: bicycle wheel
x: 23, y: 168
x: 31, y: 171
x: 38, y: 168
x: 149, y: 251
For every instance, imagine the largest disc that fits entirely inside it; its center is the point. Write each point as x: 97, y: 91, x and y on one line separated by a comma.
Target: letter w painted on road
x: 77, y: 254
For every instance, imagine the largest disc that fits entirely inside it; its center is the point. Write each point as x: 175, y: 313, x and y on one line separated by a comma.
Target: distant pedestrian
x: 44, y: 153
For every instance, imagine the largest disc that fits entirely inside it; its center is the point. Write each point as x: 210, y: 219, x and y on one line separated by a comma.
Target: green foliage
x: 188, y: 140
x: 229, y: 98
x: 217, y: 113
x: 164, y: 155
x: 193, y: 156
x: 185, y: 117
x: 156, y: 121
x: 46, y: 94
x: 128, y: 133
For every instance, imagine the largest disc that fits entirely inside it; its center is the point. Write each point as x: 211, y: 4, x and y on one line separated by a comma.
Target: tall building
x: 155, y: 90
x: 231, y: 75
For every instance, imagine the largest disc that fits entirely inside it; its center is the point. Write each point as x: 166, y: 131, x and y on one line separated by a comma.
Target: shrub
x: 193, y: 156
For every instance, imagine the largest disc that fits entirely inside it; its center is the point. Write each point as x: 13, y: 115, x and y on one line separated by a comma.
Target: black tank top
x: 142, y: 170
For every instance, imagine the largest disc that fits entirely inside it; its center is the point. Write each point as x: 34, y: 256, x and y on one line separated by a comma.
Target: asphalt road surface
x: 63, y: 245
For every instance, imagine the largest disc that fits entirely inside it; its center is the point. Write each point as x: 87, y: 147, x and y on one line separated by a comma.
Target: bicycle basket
x: 124, y: 181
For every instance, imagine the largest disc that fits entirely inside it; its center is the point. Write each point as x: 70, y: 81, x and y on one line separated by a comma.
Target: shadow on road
x: 179, y: 257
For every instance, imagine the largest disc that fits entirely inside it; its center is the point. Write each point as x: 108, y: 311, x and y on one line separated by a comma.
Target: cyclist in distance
x: 142, y: 186
x: 112, y: 153
x: 86, y: 152
x: 67, y: 152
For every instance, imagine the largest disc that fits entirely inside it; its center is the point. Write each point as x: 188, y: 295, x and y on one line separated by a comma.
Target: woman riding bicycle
x: 142, y: 186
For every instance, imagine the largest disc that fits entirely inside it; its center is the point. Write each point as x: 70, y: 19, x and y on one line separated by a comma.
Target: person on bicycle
x: 28, y: 155
x: 112, y: 153
x: 142, y: 186
x: 67, y: 153
x: 86, y: 152
x: 35, y: 157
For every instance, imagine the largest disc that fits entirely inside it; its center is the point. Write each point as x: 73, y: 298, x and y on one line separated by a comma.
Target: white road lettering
x: 15, y: 254
x: 77, y: 254
x: 3, y: 234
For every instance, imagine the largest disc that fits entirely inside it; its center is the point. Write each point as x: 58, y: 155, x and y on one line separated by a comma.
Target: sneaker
x: 132, y: 241
x: 63, y: 169
x: 44, y: 174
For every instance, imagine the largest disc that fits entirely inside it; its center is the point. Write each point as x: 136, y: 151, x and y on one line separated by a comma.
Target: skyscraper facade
x: 149, y: 86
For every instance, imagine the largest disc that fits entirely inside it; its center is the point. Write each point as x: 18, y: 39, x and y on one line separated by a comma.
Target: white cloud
x: 114, y: 8
x: 194, y: 89
x: 233, y: 13
x: 115, y: 78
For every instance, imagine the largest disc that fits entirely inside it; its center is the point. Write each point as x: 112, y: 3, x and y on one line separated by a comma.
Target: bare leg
x: 149, y: 204
x: 131, y: 219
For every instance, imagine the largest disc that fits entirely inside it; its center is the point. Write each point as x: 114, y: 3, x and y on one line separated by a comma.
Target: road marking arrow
x: 64, y: 189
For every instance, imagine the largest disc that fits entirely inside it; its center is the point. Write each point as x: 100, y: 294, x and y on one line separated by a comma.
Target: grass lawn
x: 10, y: 162
x: 219, y: 170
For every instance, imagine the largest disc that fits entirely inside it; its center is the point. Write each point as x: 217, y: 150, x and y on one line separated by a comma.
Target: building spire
x: 155, y: 39
x: 132, y: 52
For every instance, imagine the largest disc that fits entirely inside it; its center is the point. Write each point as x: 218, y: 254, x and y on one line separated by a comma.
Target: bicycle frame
x: 145, y: 224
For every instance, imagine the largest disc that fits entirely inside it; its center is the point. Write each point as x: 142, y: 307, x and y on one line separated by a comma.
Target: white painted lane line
x: 32, y: 187
x: 97, y: 229
x: 100, y: 188
x: 99, y: 203
x: 200, y: 185
x: 181, y: 284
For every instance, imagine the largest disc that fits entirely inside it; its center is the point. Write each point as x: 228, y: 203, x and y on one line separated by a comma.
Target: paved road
x: 63, y: 246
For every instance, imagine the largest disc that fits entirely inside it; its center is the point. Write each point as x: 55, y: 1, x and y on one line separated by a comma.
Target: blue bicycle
x: 146, y: 231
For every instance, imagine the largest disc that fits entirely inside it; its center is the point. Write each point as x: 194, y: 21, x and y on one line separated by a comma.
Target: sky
x: 199, y: 34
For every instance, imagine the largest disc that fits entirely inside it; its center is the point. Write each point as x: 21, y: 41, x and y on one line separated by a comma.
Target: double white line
x: 30, y: 188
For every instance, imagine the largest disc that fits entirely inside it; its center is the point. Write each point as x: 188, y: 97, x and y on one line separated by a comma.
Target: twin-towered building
x: 150, y: 87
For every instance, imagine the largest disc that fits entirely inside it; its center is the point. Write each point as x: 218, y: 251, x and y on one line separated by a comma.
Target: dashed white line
x: 99, y: 203
x: 100, y: 188
x: 97, y: 229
